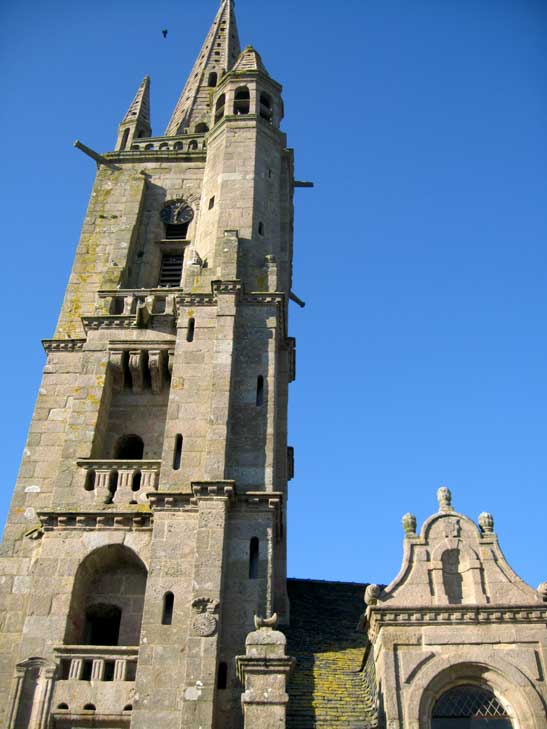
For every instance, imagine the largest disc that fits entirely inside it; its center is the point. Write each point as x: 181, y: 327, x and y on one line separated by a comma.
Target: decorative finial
x: 486, y: 522
x: 409, y: 524
x: 542, y: 591
x: 266, y: 622
x: 444, y: 497
x: 372, y: 593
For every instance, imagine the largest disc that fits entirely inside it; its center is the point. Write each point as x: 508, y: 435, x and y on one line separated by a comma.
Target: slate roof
x: 327, y: 689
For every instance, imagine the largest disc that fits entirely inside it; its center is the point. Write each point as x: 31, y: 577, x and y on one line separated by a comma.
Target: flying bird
x: 164, y: 33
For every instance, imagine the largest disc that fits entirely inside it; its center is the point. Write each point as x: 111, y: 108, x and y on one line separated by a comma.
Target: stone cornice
x: 459, y: 616
x: 92, y: 520
x: 91, y: 323
x: 63, y: 345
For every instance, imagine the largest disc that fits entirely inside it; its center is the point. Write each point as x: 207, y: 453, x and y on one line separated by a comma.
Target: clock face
x: 176, y: 212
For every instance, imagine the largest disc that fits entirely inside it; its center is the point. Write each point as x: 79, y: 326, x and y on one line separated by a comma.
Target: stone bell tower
x: 148, y: 523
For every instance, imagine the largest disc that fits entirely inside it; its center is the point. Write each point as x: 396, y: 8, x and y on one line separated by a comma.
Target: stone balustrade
x: 120, y: 481
x: 97, y: 663
x: 127, y: 302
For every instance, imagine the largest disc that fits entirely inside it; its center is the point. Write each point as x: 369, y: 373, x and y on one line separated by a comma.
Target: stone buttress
x: 147, y: 526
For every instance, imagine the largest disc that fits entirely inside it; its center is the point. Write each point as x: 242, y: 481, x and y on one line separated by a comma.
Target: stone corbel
x: 116, y: 368
x: 156, y: 358
x: 136, y: 367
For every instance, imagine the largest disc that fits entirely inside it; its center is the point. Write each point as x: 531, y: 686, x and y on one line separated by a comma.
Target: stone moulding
x: 92, y: 520
x: 259, y: 500
x: 93, y: 323
x: 63, y: 345
x: 380, y: 617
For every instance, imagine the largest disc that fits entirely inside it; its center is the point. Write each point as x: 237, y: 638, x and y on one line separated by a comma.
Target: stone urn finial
x: 486, y: 523
x: 542, y: 591
x: 372, y: 593
x: 444, y: 497
x: 409, y: 524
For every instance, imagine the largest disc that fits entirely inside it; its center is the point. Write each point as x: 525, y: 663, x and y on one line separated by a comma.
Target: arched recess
x: 31, y: 694
x: 474, y: 665
x: 107, y: 598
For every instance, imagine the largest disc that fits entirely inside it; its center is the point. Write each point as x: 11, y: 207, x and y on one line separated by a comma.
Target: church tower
x: 148, y: 524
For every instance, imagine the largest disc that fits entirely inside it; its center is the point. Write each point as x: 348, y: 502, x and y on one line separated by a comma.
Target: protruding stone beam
x: 264, y: 670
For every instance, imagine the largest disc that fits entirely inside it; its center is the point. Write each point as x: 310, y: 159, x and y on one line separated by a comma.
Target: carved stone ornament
x: 204, y: 625
x: 486, y: 522
x: 444, y: 497
x: 270, y: 622
x: 542, y: 591
x: 372, y: 593
x: 409, y: 523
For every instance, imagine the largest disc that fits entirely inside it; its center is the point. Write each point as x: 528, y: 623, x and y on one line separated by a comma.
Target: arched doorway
x: 469, y: 707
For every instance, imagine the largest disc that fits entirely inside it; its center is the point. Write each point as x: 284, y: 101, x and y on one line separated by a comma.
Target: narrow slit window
x: 222, y: 676
x: 212, y: 203
x: 261, y: 228
x: 259, y: 391
x: 254, y: 549
x: 171, y: 270
x: 213, y: 78
x: 168, y: 605
x: 177, y: 454
x: 191, y: 329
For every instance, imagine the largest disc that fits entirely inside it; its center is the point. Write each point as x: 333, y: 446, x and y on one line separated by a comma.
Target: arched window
x: 254, y: 553
x: 266, y: 107
x: 129, y: 447
x: 219, y: 108
x: 178, y: 146
x: 193, y: 145
x: 107, y: 598
x: 464, y: 707
x: 242, y: 100
x: 125, y: 137
x: 201, y: 128
x: 213, y: 80
x: 168, y: 605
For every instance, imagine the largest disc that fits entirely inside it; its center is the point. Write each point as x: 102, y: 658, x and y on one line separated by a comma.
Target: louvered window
x: 171, y: 270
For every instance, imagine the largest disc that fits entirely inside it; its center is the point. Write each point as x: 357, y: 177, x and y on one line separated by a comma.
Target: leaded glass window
x: 469, y: 707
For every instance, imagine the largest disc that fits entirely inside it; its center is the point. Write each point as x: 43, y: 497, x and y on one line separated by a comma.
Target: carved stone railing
x: 97, y: 663
x: 127, y: 302
x: 120, y: 481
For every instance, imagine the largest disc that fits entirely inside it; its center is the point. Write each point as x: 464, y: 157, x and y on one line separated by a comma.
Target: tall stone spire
x: 136, y: 123
x: 217, y: 56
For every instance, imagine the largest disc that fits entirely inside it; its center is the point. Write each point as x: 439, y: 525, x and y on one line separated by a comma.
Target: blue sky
x: 421, y: 253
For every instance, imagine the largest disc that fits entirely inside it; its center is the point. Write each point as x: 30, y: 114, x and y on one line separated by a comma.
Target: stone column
x: 264, y: 670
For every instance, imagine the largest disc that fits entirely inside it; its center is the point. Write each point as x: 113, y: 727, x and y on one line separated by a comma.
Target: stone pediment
x: 453, y: 561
